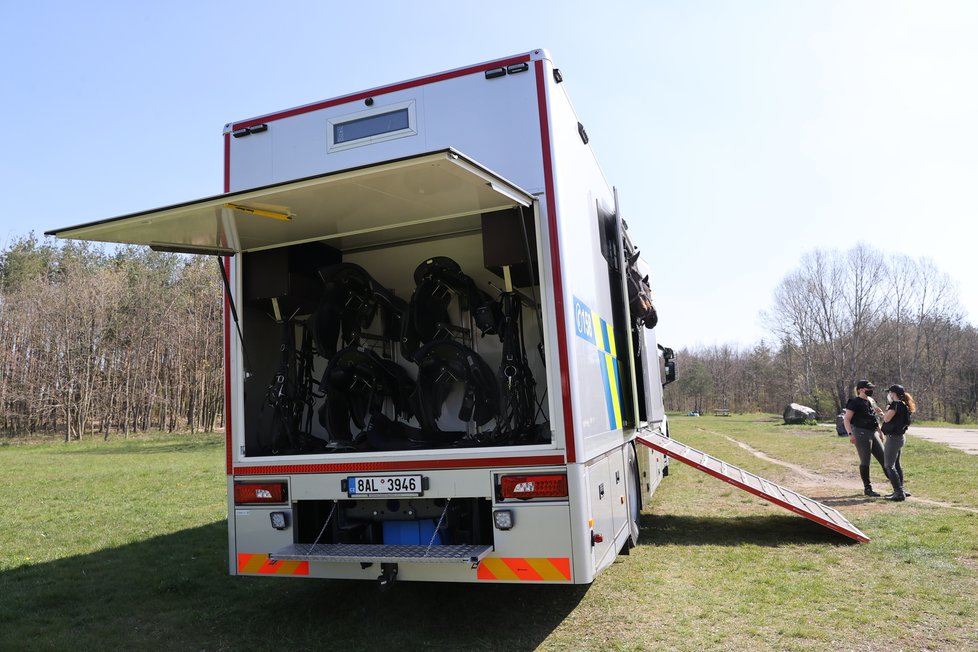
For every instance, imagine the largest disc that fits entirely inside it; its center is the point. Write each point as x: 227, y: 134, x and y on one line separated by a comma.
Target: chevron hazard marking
x: 253, y: 564
x: 547, y: 569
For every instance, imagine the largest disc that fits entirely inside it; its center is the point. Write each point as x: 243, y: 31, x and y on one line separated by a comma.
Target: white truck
x: 439, y: 342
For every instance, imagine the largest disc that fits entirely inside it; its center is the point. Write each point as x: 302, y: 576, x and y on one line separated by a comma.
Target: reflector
x: 259, y: 492
x: 525, y: 487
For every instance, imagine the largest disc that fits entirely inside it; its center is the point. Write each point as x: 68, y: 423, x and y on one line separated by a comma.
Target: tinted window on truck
x: 373, y: 125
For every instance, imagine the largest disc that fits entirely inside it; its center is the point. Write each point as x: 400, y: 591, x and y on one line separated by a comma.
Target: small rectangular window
x: 383, y: 123
x: 374, y: 125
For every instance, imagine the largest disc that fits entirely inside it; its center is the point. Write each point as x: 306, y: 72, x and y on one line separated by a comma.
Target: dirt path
x: 808, y: 478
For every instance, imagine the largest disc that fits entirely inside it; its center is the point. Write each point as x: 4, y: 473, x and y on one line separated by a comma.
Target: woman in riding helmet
x: 895, y: 423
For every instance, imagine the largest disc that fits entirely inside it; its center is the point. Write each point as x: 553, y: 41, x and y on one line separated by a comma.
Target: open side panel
x: 411, y: 198
x: 781, y: 496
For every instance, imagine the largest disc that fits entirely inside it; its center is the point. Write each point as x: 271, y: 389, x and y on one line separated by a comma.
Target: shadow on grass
x: 849, y: 501
x: 773, y: 531
x: 173, y: 593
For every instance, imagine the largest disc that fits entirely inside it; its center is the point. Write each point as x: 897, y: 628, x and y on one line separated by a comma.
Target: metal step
x: 361, y: 552
x: 781, y: 496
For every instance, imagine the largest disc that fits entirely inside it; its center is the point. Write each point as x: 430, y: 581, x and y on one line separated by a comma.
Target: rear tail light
x: 259, y: 493
x: 525, y: 487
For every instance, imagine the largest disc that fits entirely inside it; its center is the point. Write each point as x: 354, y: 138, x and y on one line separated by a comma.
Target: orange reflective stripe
x: 250, y: 563
x: 495, y: 569
x: 261, y: 565
x: 522, y: 568
x: 553, y: 569
x: 284, y: 568
x: 562, y: 564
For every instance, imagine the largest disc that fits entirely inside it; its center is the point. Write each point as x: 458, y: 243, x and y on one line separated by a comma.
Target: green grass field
x: 123, y: 545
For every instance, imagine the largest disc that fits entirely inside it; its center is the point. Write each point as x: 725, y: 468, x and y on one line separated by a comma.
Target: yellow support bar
x: 285, y: 217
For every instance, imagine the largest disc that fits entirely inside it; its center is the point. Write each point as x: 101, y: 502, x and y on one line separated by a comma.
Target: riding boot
x: 898, y: 493
x: 900, y: 471
x: 867, y: 485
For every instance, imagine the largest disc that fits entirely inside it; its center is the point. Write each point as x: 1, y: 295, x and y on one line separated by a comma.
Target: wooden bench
x: 721, y: 412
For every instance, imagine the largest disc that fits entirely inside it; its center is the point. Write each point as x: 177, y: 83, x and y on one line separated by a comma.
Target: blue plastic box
x: 410, y: 532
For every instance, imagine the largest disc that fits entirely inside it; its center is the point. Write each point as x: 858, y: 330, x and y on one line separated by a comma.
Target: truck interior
x: 394, y: 345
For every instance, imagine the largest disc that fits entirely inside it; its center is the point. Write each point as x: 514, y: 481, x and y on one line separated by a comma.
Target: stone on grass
x: 796, y: 413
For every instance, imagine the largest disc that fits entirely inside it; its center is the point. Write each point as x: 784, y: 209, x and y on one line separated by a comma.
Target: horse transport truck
x: 439, y: 337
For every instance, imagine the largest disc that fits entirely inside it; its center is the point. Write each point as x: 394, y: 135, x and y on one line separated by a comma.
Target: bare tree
x: 89, y: 342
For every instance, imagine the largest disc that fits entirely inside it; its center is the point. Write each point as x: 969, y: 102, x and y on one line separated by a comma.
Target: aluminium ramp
x: 782, y: 496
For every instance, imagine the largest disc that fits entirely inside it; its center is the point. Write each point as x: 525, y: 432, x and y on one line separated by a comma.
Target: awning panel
x: 426, y: 195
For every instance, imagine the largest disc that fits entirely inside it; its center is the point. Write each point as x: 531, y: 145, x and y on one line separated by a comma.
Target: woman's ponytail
x: 908, y: 399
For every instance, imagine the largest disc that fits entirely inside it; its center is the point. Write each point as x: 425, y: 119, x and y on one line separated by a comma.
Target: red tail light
x: 259, y: 493
x: 525, y: 487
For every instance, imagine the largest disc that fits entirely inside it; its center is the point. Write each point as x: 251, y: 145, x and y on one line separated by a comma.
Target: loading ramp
x: 781, y: 496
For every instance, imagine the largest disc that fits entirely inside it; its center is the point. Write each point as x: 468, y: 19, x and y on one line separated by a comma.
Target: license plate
x: 384, y: 485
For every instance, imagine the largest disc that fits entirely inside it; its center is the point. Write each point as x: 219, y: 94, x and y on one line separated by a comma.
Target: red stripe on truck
x: 227, y: 322
x: 560, y: 317
x: 402, y: 465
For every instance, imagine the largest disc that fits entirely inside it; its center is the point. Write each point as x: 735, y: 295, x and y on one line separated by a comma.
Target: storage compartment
x: 412, y: 521
x: 387, y: 343
x: 509, y: 241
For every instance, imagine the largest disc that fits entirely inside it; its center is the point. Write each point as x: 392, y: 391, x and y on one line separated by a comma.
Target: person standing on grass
x: 862, y: 427
x: 895, y: 424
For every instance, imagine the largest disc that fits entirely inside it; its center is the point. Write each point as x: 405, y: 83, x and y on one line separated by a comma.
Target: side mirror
x: 668, y: 357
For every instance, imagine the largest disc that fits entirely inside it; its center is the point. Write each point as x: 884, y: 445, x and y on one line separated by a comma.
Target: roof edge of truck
x: 532, y: 55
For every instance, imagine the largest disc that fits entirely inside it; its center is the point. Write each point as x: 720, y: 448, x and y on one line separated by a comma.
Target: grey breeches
x: 868, y: 443
x: 891, y: 456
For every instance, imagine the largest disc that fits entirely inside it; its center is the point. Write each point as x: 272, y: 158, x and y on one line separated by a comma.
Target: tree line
x: 94, y: 342
x: 842, y: 316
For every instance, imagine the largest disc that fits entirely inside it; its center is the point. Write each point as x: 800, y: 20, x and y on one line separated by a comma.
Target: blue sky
x: 739, y: 134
